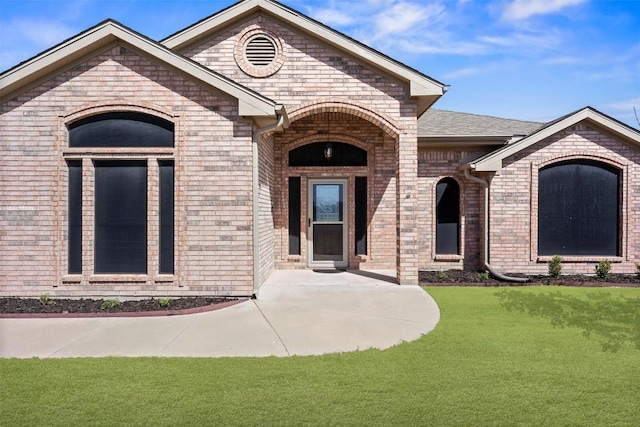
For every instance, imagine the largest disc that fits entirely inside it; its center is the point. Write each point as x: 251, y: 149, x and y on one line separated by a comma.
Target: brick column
x: 406, y: 205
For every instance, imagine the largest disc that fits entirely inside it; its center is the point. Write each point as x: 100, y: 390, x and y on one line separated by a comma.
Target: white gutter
x: 493, y: 271
x: 282, y: 122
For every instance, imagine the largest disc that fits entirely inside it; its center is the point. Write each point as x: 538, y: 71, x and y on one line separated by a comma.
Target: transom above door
x: 327, y: 223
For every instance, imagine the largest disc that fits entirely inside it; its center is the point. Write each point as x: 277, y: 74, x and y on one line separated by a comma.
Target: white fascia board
x: 224, y: 17
x: 51, y: 60
x: 420, y: 86
x: 493, y: 163
x: 111, y: 34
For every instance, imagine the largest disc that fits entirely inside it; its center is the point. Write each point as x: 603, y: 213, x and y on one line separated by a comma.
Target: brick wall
x: 213, y: 163
x: 434, y: 165
x: 380, y: 174
x: 330, y: 96
x: 213, y: 182
x: 268, y: 194
x: 310, y: 70
x: 513, y: 201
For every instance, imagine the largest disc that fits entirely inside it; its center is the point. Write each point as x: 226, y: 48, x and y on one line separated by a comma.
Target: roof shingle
x: 443, y: 123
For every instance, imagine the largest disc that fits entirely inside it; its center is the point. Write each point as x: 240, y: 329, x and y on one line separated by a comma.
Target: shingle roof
x: 443, y: 123
x: 492, y: 161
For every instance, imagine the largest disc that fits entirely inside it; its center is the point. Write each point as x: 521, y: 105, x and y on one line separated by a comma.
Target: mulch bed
x: 65, y: 307
x: 474, y: 278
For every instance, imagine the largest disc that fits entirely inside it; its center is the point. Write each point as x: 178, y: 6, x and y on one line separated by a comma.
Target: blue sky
x: 524, y: 59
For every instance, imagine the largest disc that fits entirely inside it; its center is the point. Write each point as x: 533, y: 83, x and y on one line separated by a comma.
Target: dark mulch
x: 475, y: 278
x: 64, y: 305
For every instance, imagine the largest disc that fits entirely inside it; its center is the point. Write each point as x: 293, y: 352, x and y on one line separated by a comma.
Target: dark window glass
x: 578, y: 209
x: 341, y: 155
x: 124, y: 129
x: 361, y: 215
x: 121, y: 217
x: 166, y: 217
x: 448, y: 217
x: 294, y: 216
x: 75, y: 217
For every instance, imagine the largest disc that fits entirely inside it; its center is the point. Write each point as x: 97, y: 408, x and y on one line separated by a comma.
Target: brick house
x: 259, y: 139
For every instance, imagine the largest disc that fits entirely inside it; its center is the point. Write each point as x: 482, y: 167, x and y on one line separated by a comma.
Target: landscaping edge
x: 155, y: 313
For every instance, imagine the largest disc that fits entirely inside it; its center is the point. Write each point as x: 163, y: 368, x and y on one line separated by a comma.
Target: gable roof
x: 492, y: 162
x: 437, y: 123
x: 109, y: 34
x: 422, y: 87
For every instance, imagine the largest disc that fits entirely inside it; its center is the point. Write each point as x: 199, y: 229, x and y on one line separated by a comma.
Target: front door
x: 327, y: 222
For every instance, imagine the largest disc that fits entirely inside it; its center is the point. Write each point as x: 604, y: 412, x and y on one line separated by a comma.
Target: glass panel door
x: 327, y: 223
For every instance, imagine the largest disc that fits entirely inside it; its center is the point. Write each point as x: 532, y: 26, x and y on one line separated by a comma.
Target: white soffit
x: 110, y: 34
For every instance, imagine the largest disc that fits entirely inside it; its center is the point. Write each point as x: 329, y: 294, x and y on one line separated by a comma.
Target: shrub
x: 603, y: 269
x: 555, y: 266
x: 45, y: 300
x: 109, y: 304
x: 164, y: 302
x: 484, y: 276
x: 442, y: 274
x: 638, y: 270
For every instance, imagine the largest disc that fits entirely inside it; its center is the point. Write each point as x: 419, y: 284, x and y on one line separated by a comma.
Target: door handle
x: 309, y: 222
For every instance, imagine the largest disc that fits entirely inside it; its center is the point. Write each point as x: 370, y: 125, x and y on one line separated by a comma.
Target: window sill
x: 97, y: 278
x: 578, y: 259
x: 451, y: 257
x: 118, y: 151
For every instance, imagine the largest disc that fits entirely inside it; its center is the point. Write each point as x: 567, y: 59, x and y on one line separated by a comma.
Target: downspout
x: 490, y: 269
x: 282, y: 121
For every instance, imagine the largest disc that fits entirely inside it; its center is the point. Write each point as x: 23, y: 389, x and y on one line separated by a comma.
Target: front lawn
x: 496, y: 358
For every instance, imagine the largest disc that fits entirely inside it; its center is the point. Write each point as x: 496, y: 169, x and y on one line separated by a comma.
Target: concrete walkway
x: 298, y: 312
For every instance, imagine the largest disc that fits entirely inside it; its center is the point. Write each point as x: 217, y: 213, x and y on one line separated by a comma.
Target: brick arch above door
x: 356, y: 109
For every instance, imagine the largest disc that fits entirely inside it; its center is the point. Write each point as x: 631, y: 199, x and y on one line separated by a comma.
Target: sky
x: 523, y: 59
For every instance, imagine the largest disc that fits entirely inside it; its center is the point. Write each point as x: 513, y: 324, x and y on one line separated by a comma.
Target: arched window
x: 121, y: 129
x: 328, y: 154
x: 119, y: 197
x: 448, y: 217
x: 578, y: 209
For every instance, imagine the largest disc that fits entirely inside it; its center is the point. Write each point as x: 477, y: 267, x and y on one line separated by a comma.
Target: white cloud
x: 522, y: 42
x: 403, y: 17
x: 39, y: 32
x: 463, y: 72
x: 523, y: 9
x: 23, y: 38
x: 563, y: 60
x: 628, y: 104
x: 440, y: 45
x: 332, y: 17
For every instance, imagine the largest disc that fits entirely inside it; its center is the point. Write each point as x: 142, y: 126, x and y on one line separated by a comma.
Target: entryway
x: 328, y: 223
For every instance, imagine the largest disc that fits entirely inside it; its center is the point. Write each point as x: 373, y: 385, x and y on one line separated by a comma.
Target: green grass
x: 496, y: 358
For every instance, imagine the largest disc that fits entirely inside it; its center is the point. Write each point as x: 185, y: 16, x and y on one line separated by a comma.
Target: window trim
x: 447, y: 256
x: 623, y: 222
x: 153, y: 156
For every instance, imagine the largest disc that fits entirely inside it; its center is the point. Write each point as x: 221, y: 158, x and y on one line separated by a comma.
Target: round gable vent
x: 260, y: 51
